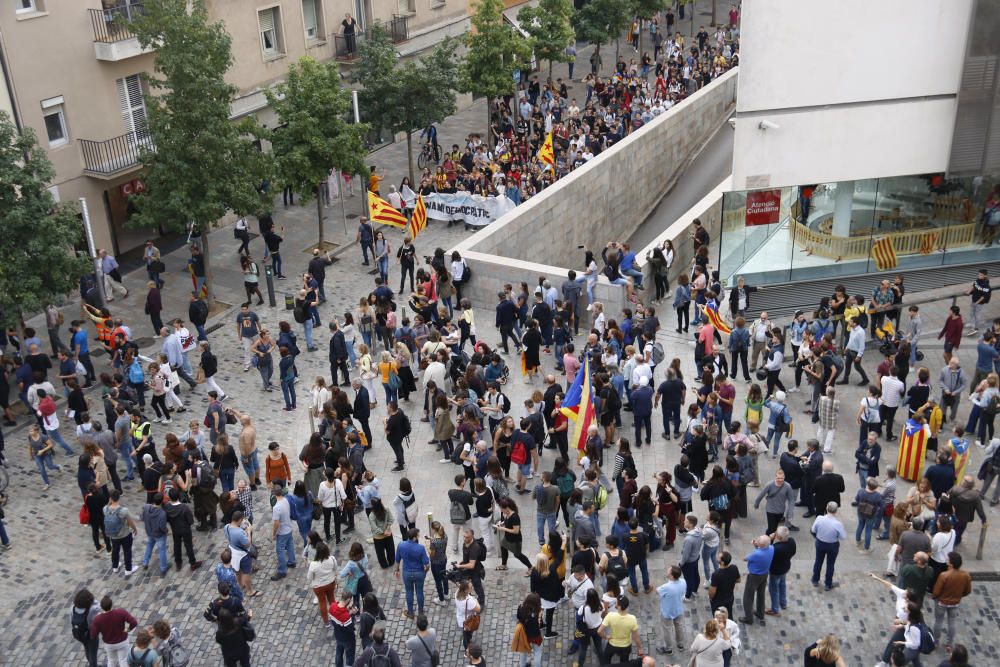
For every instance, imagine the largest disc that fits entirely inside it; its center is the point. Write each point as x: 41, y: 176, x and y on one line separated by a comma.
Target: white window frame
x: 21, y: 9
x: 132, y: 105
x: 277, y: 49
x: 318, y: 16
x: 54, y: 106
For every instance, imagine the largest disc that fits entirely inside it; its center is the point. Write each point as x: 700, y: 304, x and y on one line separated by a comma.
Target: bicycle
x: 426, y: 156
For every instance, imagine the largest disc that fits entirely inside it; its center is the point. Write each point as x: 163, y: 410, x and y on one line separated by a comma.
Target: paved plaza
x: 52, y: 556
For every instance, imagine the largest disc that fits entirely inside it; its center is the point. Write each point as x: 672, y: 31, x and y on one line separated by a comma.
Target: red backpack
x: 519, y: 454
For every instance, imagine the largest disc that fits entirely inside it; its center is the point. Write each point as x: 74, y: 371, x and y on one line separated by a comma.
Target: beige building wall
x: 54, y: 60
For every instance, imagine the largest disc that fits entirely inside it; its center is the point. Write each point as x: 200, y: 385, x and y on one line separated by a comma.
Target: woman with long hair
x: 322, y: 579
x: 381, y: 521
x: 511, y: 538
x: 225, y: 461
x: 709, y: 645
x: 233, y: 635
x: 466, y: 606
x: 529, y: 617
x: 546, y: 583
x: 312, y: 458
x: 251, y: 279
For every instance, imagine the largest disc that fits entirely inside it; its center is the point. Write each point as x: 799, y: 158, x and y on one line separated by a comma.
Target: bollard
x: 269, y: 275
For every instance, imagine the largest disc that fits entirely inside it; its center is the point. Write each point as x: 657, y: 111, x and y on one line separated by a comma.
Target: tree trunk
x: 550, y: 69
x: 319, y: 212
x: 618, y: 40
x: 639, y: 41
x: 409, y: 156
x: 210, y: 293
x: 489, y: 119
x: 713, y: 14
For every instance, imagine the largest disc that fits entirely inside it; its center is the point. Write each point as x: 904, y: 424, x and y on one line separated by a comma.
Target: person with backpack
x: 142, y: 654
x: 112, y: 626
x: 168, y: 645
x: 120, y: 526
x: 181, y: 520
x: 82, y: 614
x: 234, y: 635
x: 779, y: 421
x: 614, y: 561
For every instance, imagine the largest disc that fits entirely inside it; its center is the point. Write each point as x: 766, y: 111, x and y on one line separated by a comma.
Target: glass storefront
x: 849, y: 228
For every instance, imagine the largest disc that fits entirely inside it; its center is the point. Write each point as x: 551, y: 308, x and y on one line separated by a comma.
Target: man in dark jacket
x: 790, y: 465
x: 317, y: 269
x: 395, y: 432
x: 198, y: 314
x: 338, y: 355
x: 542, y: 314
x: 273, y: 243
x: 552, y: 388
x: 813, y: 469
x: 827, y: 488
x: 641, y: 401
x: 506, y: 317
x: 362, y: 408
x: 181, y: 519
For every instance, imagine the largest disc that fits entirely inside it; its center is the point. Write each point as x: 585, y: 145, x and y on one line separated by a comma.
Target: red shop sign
x: 133, y: 187
x: 763, y: 207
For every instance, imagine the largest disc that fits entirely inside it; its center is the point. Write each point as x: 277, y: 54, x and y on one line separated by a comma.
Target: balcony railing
x: 346, y: 46
x: 115, y: 155
x: 111, y: 24
x: 398, y: 28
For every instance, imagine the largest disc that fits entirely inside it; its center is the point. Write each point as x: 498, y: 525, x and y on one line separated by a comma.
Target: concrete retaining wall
x: 609, y: 197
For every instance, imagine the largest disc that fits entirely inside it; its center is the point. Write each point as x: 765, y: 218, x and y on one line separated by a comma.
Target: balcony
x: 398, y: 28
x: 346, y: 46
x: 116, y: 156
x: 113, y: 37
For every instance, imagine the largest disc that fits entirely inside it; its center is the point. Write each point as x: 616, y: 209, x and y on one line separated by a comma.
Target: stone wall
x: 609, y: 197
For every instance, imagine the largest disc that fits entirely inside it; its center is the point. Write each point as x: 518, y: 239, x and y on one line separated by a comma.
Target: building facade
x: 72, y: 72
x: 866, y: 143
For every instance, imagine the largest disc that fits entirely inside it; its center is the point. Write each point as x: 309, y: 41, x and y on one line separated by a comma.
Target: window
x: 438, y: 3
x: 312, y: 18
x: 269, y: 22
x: 407, y: 6
x: 133, y: 108
x: 55, y: 122
x: 24, y: 6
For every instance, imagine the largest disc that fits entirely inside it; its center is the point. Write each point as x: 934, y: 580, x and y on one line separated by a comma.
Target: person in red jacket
x: 110, y: 627
x: 951, y: 332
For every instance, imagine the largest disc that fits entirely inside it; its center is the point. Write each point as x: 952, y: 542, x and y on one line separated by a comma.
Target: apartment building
x: 71, y: 71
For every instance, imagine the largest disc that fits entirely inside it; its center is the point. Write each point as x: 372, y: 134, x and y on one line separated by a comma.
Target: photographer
x: 473, y: 555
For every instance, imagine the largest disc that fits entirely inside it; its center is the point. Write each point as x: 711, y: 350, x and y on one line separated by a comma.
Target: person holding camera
x: 473, y: 555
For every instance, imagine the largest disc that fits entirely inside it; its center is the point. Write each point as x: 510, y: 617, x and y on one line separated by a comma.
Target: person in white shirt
x: 760, y: 332
x: 641, y: 370
x: 322, y: 579
x: 331, y: 496
x: 577, y: 584
x: 892, y: 398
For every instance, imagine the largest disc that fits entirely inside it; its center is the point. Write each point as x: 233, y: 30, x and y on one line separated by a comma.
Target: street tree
x: 601, y: 21
x: 315, y: 134
x: 495, y: 53
x: 550, y: 29
x: 199, y: 164
x: 38, y: 262
x: 411, y: 96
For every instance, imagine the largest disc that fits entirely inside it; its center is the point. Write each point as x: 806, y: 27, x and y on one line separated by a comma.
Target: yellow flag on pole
x: 418, y: 221
x: 545, y: 153
x: 381, y: 211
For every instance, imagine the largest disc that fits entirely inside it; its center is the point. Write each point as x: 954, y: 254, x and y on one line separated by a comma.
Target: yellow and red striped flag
x: 928, y: 240
x: 381, y: 211
x: 711, y: 310
x: 546, y: 154
x: 418, y: 221
x: 960, y: 456
x: 884, y: 253
x: 912, y: 450
x: 578, y: 407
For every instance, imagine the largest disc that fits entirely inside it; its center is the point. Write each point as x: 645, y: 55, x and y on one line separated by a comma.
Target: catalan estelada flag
x: 884, y: 254
x: 545, y: 153
x: 960, y: 457
x: 578, y: 406
x: 912, y: 450
x: 928, y: 240
x: 711, y: 310
x: 418, y: 221
x: 382, y: 212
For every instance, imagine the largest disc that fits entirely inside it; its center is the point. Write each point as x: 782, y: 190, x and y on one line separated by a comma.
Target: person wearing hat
x: 378, y: 647
x: 282, y: 531
x: 641, y: 401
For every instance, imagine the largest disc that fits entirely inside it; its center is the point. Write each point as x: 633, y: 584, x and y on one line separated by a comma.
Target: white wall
x: 797, y: 54
x: 844, y: 143
x: 857, y: 89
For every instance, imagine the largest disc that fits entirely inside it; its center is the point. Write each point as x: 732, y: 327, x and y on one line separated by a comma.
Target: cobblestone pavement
x: 52, y: 557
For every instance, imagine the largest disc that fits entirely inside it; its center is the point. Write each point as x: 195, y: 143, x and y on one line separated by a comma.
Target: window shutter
x: 267, y: 33
x: 266, y: 20
x: 309, y: 17
x: 133, y: 107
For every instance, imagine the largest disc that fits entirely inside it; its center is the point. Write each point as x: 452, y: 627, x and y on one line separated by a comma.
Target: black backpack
x: 407, y: 429
x: 81, y: 629
x: 616, y: 566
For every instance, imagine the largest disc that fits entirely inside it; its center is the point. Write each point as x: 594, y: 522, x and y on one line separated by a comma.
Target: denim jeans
x: 276, y: 264
x: 536, y: 656
x: 440, y: 581
x: 161, y: 548
x: 308, y: 326
x: 383, y: 268
x: 543, y: 518
x: 643, y: 569
x: 227, y: 477
x: 288, y: 392
x: 866, y: 525
x: 202, y: 333
x: 390, y: 394
x: 413, y: 582
x: 828, y: 551
x: 776, y: 588
x: 345, y: 652
x: 44, y: 462
x: 708, y: 557
x: 285, y: 546
x: 777, y: 441
x: 54, y: 434
x: 251, y: 466
x: 126, y: 454
x: 4, y: 540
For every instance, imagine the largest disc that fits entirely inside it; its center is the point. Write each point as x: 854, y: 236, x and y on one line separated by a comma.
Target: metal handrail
x: 111, y: 24
x: 115, y: 154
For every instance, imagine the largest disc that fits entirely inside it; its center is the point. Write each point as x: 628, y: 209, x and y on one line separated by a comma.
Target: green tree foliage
x: 495, y: 53
x: 645, y: 10
x: 550, y: 29
x: 602, y: 21
x: 38, y: 264
x: 203, y: 164
x: 315, y: 135
x: 406, y: 97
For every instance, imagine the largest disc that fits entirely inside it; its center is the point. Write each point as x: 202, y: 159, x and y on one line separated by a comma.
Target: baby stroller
x: 888, y: 336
